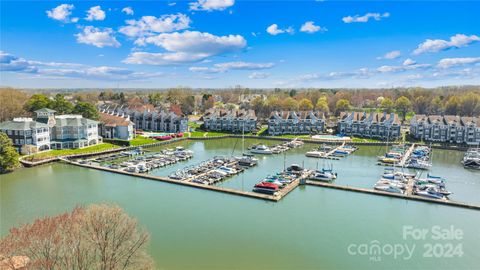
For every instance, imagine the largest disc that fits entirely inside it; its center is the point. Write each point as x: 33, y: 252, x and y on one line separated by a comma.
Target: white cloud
x: 148, y: 25
x: 239, y: 65
x: 171, y: 4
x: 394, y: 69
x: 62, y: 13
x: 10, y: 63
x: 160, y: 59
x: 95, y: 14
x: 185, y: 47
x: 210, y: 5
x: 454, y: 62
x: 365, y: 18
x: 258, y: 75
x: 409, y: 62
x: 128, y: 10
x: 310, y: 27
x: 97, y: 37
x: 274, y: 30
x: 391, y: 55
x: 437, y: 45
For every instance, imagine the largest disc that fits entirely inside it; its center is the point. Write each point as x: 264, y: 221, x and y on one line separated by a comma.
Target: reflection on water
x: 309, y: 229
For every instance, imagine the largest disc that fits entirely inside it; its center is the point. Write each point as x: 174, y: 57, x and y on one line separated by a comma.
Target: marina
x: 328, y: 152
x: 174, y: 210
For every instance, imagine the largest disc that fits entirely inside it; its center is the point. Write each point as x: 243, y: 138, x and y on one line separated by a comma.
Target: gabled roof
x: 113, y: 120
x: 45, y: 110
x: 22, y: 125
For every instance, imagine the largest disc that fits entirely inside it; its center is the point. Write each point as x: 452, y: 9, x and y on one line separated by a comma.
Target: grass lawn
x: 194, y: 125
x: 65, y: 152
x: 293, y: 136
x: 140, y: 140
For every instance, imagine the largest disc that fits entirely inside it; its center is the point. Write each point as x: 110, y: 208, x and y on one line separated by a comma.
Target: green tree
x: 305, y: 105
x: 403, y: 105
x: 61, y: 105
x: 37, y: 102
x: 436, y: 106
x: 452, y: 105
x: 292, y: 93
x: 87, y: 110
x: 342, y: 105
x: 322, y: 105
x: 8, y: 155
x: 387, y: 105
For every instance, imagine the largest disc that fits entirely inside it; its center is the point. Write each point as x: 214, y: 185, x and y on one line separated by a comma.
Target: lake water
x: 311, y: 228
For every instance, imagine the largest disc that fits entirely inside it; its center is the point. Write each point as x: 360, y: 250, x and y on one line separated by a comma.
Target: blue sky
x: 224, y: 43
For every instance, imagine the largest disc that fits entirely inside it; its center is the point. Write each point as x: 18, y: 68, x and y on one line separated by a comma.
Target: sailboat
x: 246, y: 159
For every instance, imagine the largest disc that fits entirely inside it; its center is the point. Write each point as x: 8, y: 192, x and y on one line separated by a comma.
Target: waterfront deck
x: 406, y: 156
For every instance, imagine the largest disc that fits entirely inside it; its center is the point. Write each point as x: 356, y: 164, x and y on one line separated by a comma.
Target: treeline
x: 16, y: 103
x: 464, y: 101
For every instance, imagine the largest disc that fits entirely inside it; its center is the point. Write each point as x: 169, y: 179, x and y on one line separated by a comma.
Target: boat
x: 418, y: 164
x: 388, y: 188
x: 294, y: 168
x: 180, y: 149
x: 315, y: 154
x: 247, y: 160
x: 228, y: 170
x: 430, y: 192
x: 261, y: 149
x: 265, y: 187
x: 323, y: 175
x: 389, y: 160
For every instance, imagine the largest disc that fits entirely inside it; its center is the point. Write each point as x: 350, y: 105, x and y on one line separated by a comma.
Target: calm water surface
x: 311, y: 228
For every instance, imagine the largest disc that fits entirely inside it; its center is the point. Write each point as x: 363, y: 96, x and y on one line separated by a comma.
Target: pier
x: 406, y: 156
x: 393, y: 195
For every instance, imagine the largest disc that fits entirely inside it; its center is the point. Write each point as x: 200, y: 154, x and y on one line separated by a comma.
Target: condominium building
x: 446, y: 128
x: 369, y: 125
x: 50, y: 131
x: 116, y: 127
x: 26, y: 131
x: 150, y: 120
x: 291, y: 122
x: 230, y: 120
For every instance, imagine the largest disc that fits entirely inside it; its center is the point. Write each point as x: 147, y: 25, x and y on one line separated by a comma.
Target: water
x: 311, y: 228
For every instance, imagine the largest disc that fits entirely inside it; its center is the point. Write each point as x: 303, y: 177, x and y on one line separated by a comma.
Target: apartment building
x: 446, y: 128
x: 370, y: 125
x: 26, y: 131
x: 116, y: 127
x: 291, y: 122
x: 230, y: 120
x: 151, y: 120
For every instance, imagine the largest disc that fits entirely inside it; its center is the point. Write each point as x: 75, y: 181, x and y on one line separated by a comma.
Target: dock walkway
x: 406, y: 156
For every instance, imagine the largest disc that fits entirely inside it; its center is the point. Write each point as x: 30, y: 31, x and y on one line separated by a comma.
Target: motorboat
x: 180, y: 149
x: 315, y: 154
x: 261, y: 149
x: 388, y: 188
x: 295, y: 168
x: 419, y: 164
x: 323, y: 175
x: 266, y: 188
x: 247, y: 160
x: 228, y: 170
x: 132, y: 169
x: 430, y: 192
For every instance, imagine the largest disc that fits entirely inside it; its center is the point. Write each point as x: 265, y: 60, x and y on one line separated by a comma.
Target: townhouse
x: 116, y: 127
x: 229, y: 120
x: 291, y: 122
x: 384, y: 126
x: 446, y: 128
x: 151, y: 120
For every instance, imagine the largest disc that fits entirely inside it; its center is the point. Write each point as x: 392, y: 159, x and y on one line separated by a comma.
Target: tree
x: 470, y: 104
x: 305, y: 105
x: 8, y: 155
x: 292, y: 93
x: 322, y: 104
x: 87, y: 110
x: 12, y: 102
x: 436, y: 106
x: 37, y: 102
x: 61, y: 105
x: 290, y: 104
x: 342, y: 105
x: 187, y: 104
x: 387, y: 105
x: 96, y: 237
x: 452, y: 105
x: 403, y: 105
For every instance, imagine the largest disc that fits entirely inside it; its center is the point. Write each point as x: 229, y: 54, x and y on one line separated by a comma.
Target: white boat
x: 247, y: 160
x: 315, y: 154
x: 132, y: 169
x: 228, y: 170
x: 388, y: 188
x: 323, y: 175
x: 261, y: 149
x: 430, y: 192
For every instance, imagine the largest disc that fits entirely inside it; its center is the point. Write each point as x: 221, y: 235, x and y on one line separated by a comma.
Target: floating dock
x: 406, y: 156
x: 393, y: 195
